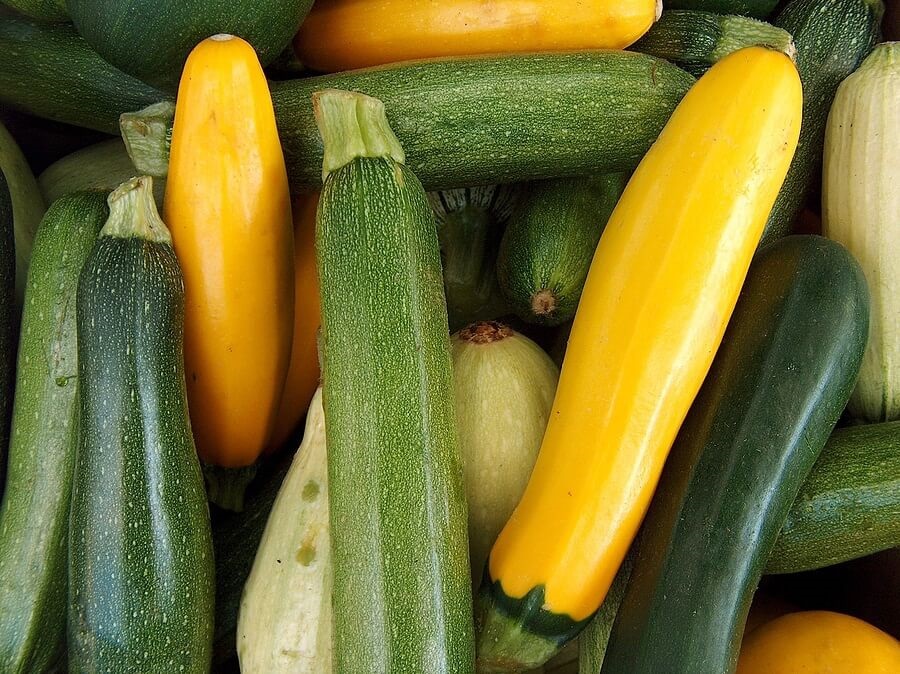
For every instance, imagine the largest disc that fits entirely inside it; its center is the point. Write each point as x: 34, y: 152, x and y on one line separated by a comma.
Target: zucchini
x: 35, y: 513
x: 849, y: 506
x: 861, y: 209
x: 593, y: 641
x: 832, y: 38
x: 236, y: 537
x: 652, y: 313
x: 102, y: 166
x: 42, y: 10
x: 482, y: 121
x: 48, y: 70
x: 151, y: 39
x: 549, y: 244
x: 8, y: 318
x: 470, y: 224
x: 402, y: 596
x: 141, y: 585
x: 757, y: 8
x: 776, y: 389
x: 284, y: 625
x: 695, y: 40
x: 27, y: 202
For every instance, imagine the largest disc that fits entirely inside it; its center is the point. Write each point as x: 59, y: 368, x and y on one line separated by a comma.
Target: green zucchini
x: 696, y: 40
x: 832, y: 38
x: 48, y: 70
x: 593, y: 641
x: 402, y: 594
x: 102, y: 166
x: 27, y: 202
x: 43, y: 10
x: 8, y: 318
x: 141, y: 585
x: 150, y: 39
x: 549, y: 244
x: 849, y: 506
x: 757, y: 8
x: 35, y: 513
x: 781, y: 379
x: 483, y: 121
x: 470, y: 224
x: 285, y: 617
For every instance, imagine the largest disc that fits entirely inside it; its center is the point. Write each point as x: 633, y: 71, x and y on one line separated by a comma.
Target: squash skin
x: 775, y: 392
x: 348, y: 34
x: 152, y: 40
x: 759, y: 9
x: 229, y: 213
x: 42, y: 10
x: 819, y: 642
x: 9, y: 319
x: 861, y: 209
x: 639, y: 316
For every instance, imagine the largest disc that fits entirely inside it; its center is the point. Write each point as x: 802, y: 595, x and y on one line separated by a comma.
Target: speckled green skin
x: 35, y: 514
x: 849, y: 506
x: 550, y: 242
x: 832, y: 38
x: 151, y: 39
x: 141, y: 586
x: 758, y: 8
x: 44, y: 10
x: 696, y: 40
x: 402, y: 592
x: 49, y: 71
x: 8, y: 317
x: 782, y: 376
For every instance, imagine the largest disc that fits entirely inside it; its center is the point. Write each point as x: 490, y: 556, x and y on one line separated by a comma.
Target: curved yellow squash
x: 228, y: 206
x: 662, y: 286
x: 347, y: 34
x: 819, y: 642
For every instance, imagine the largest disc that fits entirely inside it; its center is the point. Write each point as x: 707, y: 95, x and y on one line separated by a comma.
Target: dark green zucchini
x: 782, y: 376
x: 48, y: 70
x: 757, y: 8
x: 470, y: 224
x: 696, y: 40
x: 150, y: 39
x: 141, y: 585
x: 35, y: 514
x: 484, y: 121
x: 849, y: 506
x: 832, y: 38
x: 402, y: 594
x: 42, y: 10
x: 593, y: 641
x: 549, y: 244
x: 8, y: 318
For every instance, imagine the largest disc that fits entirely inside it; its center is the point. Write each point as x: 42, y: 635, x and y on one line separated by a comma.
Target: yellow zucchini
x: 661, y: 288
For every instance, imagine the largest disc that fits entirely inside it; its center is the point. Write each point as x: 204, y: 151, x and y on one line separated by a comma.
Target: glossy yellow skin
x: 347, y: 34
x: 819, y: 642
x: 662, y: 286
x: 228, y: 206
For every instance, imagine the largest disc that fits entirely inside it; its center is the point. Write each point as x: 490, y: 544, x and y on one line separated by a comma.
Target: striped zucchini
x: 695, y: 40
x: 8, y: 317
x: 141, y: 583
x: 832, y: 38
x: 481, y: 121
x: 758, y: 8
x: 43, y: 10
x: 549, y: 244
x: 849, y: 506
x: 35, y: 513
x: 402, y: 594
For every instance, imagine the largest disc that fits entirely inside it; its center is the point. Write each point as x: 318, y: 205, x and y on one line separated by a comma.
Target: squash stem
x: 225, y: 487
x: 353, y: 125
x: 148, y: 134
x: 133, y: 214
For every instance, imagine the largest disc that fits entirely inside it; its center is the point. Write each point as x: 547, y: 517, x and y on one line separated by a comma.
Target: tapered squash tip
x: 133, y: 214
x: 659, y: 10
x: 353, y: 125
x: 148, y: 134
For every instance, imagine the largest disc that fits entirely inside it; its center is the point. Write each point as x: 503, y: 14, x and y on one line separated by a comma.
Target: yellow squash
x: 819, y: 642
x: 347, y: 34
x: 303, y: 373
x: 228, y: 206
x: 662, y: 286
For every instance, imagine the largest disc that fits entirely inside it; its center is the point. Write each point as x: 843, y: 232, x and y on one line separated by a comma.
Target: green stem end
x: 225, y: 487
x: 133, y: 213
x: 148, y: 134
